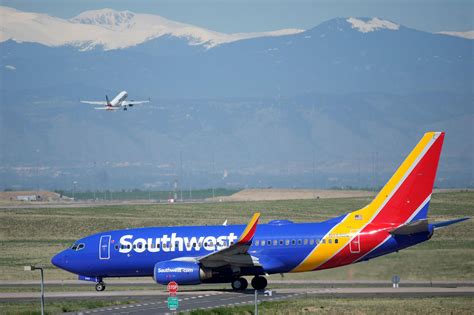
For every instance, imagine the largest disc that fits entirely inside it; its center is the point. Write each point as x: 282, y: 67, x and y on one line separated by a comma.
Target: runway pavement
x: 154, y: 301
x: 189, y: 302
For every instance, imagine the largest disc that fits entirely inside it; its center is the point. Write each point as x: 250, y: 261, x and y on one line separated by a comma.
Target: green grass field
x: 57, y: 307
x: 137, y: 194
x: 33, y: 236
x: 318, y: 305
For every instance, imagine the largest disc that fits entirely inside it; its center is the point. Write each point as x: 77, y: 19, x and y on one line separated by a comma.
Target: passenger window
x: 256, y: 242
x: 299, y: 242
x: 269, y: 242
x: 330, y: 241
x: 336, y: 241
x: 317, y: 241
x: 293, y: 242
x: 281, y: 242
x: 128, y: 246
x: 287, y: 242
x: 275, y: 243
x: 262, y: 243
x: 323, y: 241
x: 311, y: 242
x: 116, y: 247
x: 305, y: 242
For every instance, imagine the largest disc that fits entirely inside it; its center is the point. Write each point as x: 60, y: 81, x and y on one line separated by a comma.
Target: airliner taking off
x: 118, y: 102
x: 395, y: 219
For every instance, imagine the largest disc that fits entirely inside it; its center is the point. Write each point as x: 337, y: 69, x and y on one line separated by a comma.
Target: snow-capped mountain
x: 371, y: 25
x: 338, y: 89
x: 109, y: 29
x: 467, y: 35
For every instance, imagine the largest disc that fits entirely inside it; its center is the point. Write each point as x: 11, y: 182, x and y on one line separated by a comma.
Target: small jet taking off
x: 118, y: 102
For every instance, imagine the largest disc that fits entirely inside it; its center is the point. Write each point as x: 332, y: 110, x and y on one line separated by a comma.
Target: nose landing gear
x: 100, y: 286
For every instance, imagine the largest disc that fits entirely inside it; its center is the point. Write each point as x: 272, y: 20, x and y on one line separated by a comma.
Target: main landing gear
x: 258, y: 283
x: 100, y: 286
x: 239, y: 284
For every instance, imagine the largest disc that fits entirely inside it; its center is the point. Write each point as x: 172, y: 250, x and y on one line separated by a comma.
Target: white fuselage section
x: 118, y: 100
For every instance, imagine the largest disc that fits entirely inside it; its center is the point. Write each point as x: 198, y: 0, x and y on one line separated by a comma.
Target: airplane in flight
x: 395, y: 219
x: 118, y: 102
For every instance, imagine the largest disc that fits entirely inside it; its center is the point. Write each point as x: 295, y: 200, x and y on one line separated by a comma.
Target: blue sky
x: 263, y: 15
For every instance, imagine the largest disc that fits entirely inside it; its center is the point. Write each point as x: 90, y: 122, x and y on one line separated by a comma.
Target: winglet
x: 249, y: 231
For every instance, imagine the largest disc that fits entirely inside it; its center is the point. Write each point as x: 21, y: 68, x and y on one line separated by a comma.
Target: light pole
x: 40, y: 268
x: 256, y: 302
x: 74, y: 183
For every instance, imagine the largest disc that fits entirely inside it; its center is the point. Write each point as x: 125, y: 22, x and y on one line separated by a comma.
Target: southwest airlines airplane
x: 118, y: 102
x: 394, y: 220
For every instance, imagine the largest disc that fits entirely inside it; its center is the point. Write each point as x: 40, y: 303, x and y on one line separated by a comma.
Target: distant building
x: 28, y: 198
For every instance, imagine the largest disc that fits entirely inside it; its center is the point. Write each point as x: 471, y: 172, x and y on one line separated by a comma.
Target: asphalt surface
x: 153, y: 301
x: 213, y: 299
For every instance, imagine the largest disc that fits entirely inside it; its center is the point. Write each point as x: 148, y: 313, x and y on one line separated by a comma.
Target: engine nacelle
x: 182, y: 272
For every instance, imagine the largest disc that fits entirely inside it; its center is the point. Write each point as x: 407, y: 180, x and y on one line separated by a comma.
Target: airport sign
x: 172, y: 288
x: 173, y: 303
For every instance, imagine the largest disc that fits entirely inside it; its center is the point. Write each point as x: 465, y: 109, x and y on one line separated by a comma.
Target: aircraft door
x: 104, y: 247
x: 354, y: 245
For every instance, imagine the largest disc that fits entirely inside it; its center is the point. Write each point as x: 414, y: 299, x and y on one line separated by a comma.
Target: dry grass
x: 35, y: 235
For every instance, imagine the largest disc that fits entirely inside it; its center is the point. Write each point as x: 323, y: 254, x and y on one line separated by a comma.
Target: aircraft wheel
x: 239, y: 284
x: 259, y: 283
x: 100, y: 286
x: 125, y: 108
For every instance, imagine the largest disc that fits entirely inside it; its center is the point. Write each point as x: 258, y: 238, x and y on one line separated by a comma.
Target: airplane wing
x: 107, y: 108
x: 94, y: 102
x: 236, y: 254
x: 132, y: 103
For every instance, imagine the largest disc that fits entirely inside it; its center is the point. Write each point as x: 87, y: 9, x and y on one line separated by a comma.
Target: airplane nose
x: 58, y: 260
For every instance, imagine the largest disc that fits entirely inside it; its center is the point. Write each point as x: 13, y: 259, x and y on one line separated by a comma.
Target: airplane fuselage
x: 118, y: 100
x: 279, y: 247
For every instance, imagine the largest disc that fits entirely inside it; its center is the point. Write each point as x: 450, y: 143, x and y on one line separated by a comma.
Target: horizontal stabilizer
x: 418, y: 226
x: 438, y: 225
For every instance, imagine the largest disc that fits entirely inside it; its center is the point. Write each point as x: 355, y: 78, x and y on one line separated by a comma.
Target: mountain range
x: 335, y: 105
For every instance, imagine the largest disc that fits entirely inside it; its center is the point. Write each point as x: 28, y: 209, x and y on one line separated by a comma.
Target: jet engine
x: 182, y: 272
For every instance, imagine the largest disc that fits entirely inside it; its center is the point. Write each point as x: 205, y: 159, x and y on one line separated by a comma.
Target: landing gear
x: 100, y: 286
x: 259, y: 283
x: 239, y: 284
x: 125, y: 108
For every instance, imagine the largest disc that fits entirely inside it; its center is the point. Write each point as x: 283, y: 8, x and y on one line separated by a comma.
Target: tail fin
x: 406, y: 195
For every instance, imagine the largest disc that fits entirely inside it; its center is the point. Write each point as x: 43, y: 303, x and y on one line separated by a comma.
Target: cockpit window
x: 77, y: 247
